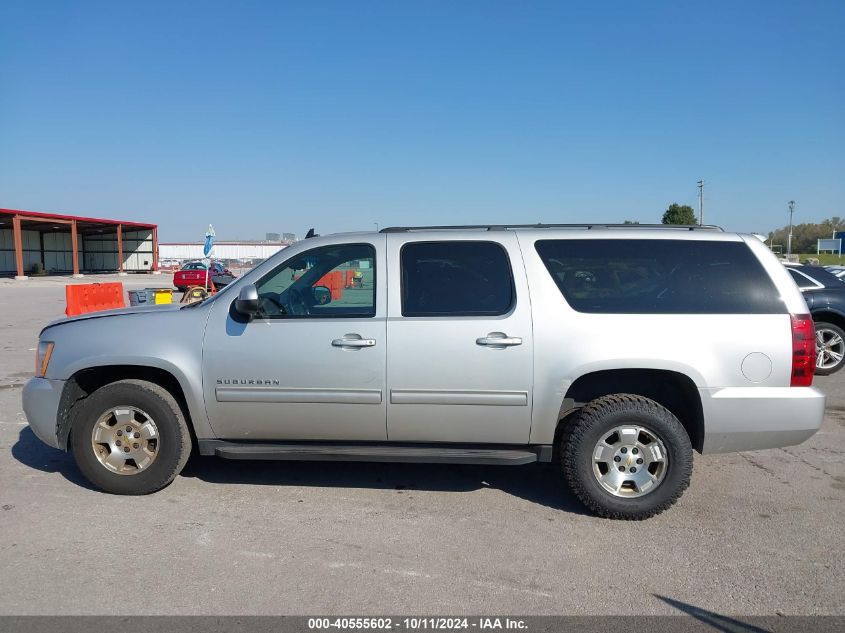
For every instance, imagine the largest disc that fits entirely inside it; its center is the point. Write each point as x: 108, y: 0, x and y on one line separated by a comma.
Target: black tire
x: 821, y: 325
x: 600, y: 417
x: 173, y: 442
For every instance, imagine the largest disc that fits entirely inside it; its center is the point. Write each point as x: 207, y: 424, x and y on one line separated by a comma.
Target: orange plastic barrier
x: 82, y: 298
x: 334, y: 282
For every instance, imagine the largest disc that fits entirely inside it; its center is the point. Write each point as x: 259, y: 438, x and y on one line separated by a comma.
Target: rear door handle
x: 498, y: 339
x: 353, y: 341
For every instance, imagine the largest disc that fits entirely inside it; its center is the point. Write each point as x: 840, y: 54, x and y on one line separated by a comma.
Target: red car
x: 193, y: 274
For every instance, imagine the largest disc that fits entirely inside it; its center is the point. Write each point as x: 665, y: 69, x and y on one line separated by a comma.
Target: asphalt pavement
x: 756, y: 533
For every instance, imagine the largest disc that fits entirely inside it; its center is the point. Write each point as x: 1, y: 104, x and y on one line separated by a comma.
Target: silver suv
x: 610, y: 351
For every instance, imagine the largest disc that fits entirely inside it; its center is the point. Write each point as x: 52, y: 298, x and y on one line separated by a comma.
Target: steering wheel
x: 271, y: 305
x: 296, y: 302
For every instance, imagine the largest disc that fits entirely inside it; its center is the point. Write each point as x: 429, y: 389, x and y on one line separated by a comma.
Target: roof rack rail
x: 502, y: 227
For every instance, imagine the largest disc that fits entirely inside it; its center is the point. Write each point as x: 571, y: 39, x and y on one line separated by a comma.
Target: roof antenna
x: 311, y: 233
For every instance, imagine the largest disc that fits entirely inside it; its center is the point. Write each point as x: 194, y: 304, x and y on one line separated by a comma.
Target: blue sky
x: 275, y: 116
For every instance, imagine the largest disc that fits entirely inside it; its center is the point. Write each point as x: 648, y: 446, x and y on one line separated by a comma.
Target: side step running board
x: 373, y: 453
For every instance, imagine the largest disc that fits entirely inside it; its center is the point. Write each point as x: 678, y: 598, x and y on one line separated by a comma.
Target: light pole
x: 789, y: 238
x: 700, y: 202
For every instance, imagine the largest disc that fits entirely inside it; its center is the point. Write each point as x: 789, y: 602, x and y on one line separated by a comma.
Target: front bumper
x: 753, y: 418
x: 41, y: 398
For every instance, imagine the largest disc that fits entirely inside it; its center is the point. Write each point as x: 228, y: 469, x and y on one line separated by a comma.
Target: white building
x: 246, y: 251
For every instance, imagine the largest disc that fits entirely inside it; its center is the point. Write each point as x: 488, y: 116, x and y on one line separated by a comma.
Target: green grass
x: 825, y: 259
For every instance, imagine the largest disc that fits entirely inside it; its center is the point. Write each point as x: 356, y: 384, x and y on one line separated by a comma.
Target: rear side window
x: 455, y: 279
x: 814, y: 276
x: 660, y: 277
x: 803, y: 281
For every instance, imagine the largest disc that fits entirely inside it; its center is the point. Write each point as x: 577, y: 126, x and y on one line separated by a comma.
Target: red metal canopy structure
x: 71, y: 243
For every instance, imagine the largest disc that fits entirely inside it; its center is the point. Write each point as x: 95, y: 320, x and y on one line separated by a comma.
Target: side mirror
x: 321, y: 295
x: 247, y: 301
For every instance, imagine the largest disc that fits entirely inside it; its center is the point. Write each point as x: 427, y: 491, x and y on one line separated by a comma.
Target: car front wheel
x: 626, y: 457
x: 130, y: 437
x: 830, y: 348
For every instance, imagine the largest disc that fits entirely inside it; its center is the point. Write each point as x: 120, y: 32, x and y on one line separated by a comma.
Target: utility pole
x: 789, y: 238
x: 701, y: 202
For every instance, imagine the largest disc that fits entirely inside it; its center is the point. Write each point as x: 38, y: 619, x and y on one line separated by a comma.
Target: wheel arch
x: 829, y: 316
x: 673, y: 390
x: 85, y: 381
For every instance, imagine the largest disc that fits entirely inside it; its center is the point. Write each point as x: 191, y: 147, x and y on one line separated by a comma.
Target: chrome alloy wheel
x: 630, y: 461
x: 125, y: 440
x: 830, y: 348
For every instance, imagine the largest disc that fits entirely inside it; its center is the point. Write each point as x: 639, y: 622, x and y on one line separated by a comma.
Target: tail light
x: 803, y: 350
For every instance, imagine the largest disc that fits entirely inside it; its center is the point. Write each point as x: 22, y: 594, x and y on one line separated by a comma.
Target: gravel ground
x: 756, y: 533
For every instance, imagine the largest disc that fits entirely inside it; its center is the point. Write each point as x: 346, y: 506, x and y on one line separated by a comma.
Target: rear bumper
x: 752, y: 418
x: 41, y: 399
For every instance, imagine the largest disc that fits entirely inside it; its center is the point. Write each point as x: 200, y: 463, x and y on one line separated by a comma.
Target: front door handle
x: 498, y: 340
x: 353, y: 341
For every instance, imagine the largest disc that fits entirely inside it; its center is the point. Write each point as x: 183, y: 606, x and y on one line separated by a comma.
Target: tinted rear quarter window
x: 800, y: 279
x: 817, y: 274
x: 660, y: 277
x: 453, y: 278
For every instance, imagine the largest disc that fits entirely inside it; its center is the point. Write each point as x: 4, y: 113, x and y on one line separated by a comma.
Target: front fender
x: 170, y: 341
x: 189, y: 380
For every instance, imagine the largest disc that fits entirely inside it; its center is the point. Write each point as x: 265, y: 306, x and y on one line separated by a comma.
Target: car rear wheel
x: 830, y: 348
x: 130, y: 437
x: 626, y: 457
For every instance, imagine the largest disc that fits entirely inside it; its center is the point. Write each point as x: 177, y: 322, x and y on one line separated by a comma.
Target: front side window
x: 660, y: 277
x: 332, y: 281
x: 455, y: 279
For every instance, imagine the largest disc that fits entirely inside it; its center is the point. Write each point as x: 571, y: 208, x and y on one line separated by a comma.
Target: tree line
x: 804, y: 236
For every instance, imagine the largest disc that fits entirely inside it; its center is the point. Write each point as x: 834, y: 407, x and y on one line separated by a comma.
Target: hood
x: 117, y: 312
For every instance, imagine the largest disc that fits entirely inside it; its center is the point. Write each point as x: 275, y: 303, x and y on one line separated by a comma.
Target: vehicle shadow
x: 713, y: 619
x: 537, y: 483
x: 32, y: 452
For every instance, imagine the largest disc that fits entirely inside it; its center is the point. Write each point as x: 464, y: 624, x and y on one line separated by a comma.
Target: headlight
x: 42, y: 357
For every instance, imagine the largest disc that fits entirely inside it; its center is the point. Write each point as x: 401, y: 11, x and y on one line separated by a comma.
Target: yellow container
x: 161, y: 295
